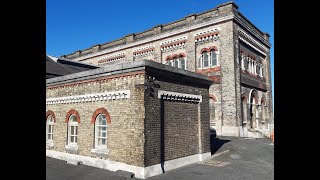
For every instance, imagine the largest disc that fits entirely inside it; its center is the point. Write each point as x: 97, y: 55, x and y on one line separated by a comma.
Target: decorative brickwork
x: 72, y: 112
x: 100, y: 111
x: 49, y: 112
x: 208, y: 70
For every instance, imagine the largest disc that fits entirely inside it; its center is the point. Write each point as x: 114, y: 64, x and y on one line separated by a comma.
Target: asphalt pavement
x: 238, y: 158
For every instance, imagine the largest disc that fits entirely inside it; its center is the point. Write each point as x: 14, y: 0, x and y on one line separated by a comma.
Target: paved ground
x: 249, y: 159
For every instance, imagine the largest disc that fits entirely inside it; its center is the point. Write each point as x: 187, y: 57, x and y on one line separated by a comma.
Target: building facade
x: 142, y: 117
x: 219, y: 43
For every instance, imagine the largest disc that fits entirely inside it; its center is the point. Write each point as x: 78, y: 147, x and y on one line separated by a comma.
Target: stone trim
x: 124, y: 94
x: 72, y: 148
x: 175, y: 56
x: 72, y: 112
x: 112, y: 58
x: 106, y: 78
x: 143, y: 51
x: 175, y: 96
x: 170, y: 45
x: 49, y: 112
x: 101, y: 111
x: 252, y: 40
x: 49, y: 144
x: 140, y: 172
x: 212, y: 36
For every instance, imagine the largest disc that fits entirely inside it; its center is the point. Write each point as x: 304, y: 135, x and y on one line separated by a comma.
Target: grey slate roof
x: 61, y: 67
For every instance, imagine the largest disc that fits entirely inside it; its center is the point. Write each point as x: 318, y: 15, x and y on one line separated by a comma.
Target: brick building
x: 219, y: 45
x: 143, y: 117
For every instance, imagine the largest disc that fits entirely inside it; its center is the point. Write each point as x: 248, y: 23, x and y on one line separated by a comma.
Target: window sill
x: 72, y: 148
x: 49, y: 145
x: 210, y: 67
x: 100, y: 152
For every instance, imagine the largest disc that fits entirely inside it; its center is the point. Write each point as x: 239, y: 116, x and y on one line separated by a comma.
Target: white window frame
x: 261, y: 70
x: 172, y: 62
x: 76, y: 129
x: 185, y: 63
x: 242, y: 61
x: 209, y: 59
x: 96, y: 130
x: 49, y: 122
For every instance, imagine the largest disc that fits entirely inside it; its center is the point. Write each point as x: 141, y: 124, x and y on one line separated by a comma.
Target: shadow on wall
x: 215, y: 143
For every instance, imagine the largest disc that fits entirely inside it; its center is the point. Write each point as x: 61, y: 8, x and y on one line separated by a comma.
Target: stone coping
x: 123, y: 68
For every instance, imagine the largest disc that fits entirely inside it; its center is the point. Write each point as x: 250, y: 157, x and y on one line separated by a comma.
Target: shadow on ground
x: 215, y: 142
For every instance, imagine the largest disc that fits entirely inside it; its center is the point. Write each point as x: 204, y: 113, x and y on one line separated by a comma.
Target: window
x: 213, y: 57
x: 101, y: 131
x: 176, y: 63
x: 209, y: 60
x: 242, y: 61
x: 73, y: 130
x: 182, y: 63
x: 205, y: 59
x: 50, y: 127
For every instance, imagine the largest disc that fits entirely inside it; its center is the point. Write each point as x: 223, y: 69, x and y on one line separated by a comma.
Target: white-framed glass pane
x: 104, y: 128
x: 76, y: 127
x: 176, y: 63
x: 99, y: 141
x: 72, y: 139
x: 205, y: 59
x: 76, y: 139
x: 103, y: 134
x: 104, y: 122
x: 49, y: 128
x: 183, y: 63
x: 72, y: 130
x: 213, y: 58
x: 103, y: 141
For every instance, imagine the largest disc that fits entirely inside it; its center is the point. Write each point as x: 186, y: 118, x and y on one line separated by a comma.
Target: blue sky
x: 79, y: 24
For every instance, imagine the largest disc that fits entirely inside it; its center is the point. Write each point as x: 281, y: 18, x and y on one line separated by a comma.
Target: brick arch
x: 208, y: 49
x: 170, y: 57
x: 49, y: 112
x: 100, y: 111
x: 244, y: 96
x: 255, y: 96
x: 213, y: 48
x: 182, y: 55
x: 70, y: 112
x: 211, y: 96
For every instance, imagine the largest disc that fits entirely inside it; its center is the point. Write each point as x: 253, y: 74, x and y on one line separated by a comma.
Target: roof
x: 60, y: 67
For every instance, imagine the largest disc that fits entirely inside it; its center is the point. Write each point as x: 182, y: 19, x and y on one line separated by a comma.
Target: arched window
x: 50, y: 128
x: 213, y: 58
x: 176, y: 63
x: 182, y: 63
x: 73, y: 129
x: 205, y: 60
x: 101, y: 132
